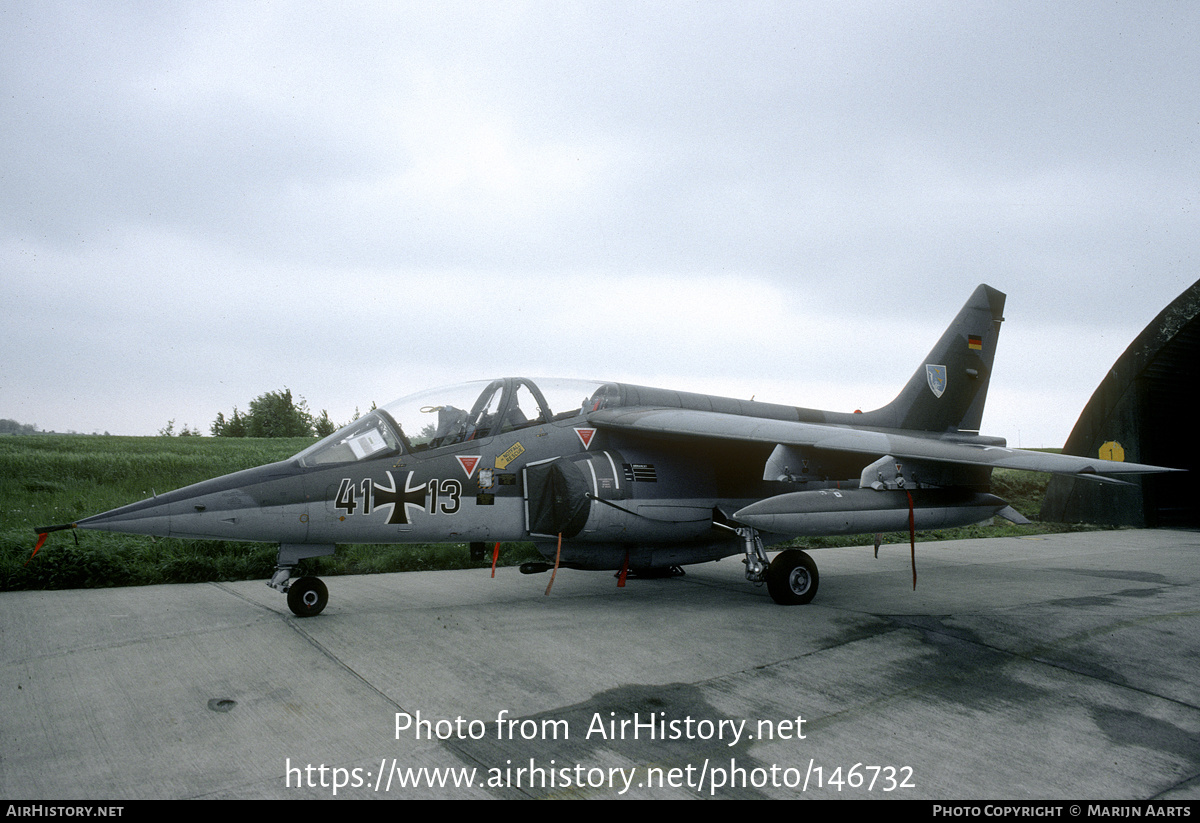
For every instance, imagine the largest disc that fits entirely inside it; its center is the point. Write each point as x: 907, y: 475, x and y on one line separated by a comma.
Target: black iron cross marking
x: 399, y: 500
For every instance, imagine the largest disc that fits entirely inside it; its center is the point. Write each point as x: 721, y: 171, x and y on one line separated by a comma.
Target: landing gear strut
x: 791, y: 577
x: 756, y: 557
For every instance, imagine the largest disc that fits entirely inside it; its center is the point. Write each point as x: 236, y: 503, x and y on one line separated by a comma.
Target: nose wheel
x: 307, y: 596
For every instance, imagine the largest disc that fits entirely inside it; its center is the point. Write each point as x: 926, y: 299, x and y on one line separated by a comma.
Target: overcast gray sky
x: 202, y: 202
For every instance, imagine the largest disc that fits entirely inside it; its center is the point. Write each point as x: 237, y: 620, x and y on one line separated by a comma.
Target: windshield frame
x: 370, y: 437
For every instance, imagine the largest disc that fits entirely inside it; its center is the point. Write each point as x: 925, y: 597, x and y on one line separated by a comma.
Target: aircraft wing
x: 910, y: 445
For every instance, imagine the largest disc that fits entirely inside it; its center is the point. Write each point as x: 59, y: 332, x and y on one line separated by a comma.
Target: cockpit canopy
x: 456, y: 414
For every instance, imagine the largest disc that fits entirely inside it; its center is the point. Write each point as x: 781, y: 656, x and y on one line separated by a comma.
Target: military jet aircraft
x: 615, y: 476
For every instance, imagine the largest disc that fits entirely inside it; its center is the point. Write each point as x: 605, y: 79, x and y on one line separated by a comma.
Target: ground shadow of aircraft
x: 614, y: 476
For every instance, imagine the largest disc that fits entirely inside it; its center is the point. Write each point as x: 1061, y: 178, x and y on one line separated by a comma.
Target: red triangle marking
x: 468, y: 463
x: 585, y: 436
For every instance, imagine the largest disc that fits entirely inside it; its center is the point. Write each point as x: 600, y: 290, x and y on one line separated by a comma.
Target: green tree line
x: 274, y: 414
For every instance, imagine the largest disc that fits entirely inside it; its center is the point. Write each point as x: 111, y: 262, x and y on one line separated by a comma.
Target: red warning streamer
x: 41, y: 541
x: 495, y: 556
x: 912, y: 537
x: 624, y: 571
x: 557, y: 555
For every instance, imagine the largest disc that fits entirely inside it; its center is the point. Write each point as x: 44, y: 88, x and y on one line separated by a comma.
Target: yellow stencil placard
x: 511, y: 453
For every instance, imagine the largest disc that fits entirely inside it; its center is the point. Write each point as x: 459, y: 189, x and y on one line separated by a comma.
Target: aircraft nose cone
x: 151, y: 516
x: 266, y: 503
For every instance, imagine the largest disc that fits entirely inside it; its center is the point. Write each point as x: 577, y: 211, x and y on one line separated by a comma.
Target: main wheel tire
x: 307, y: 597
x: 792, y: 578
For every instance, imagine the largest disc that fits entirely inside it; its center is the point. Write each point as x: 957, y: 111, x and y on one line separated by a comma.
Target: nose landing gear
x: 307, y: 596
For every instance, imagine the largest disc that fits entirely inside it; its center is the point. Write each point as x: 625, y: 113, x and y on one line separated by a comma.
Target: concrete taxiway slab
x: 1063, y: 666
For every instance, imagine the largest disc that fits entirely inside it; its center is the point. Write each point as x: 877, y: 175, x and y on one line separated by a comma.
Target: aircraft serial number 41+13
x: 614, y: 476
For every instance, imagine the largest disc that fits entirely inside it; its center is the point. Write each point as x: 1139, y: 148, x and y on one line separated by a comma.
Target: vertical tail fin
x: 949, y: 389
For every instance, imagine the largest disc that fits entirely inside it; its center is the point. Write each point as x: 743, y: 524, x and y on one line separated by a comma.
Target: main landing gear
x: 307, y: 596
x: 791, y: 577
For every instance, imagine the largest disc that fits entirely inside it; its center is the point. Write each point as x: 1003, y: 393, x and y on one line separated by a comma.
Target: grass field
x: 46, y: 480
